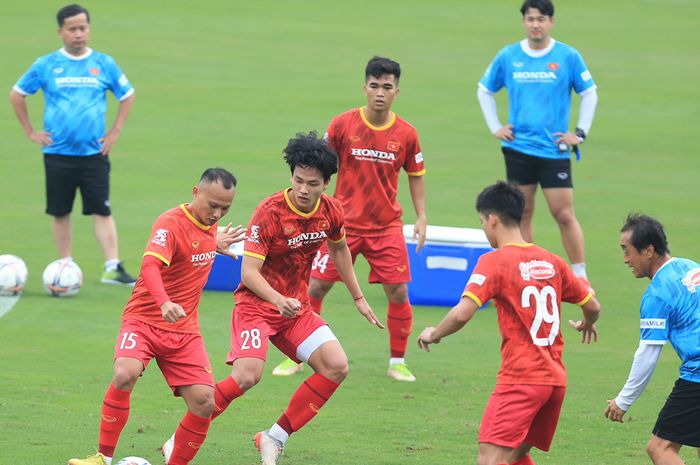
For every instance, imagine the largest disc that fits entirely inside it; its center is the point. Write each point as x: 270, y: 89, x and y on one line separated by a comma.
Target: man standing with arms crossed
x: 161, y: 318
x: 539, y: 74
x: 527, y: 284
x: 75, y: 145
x: 670, y: 310
x: 373, y: 145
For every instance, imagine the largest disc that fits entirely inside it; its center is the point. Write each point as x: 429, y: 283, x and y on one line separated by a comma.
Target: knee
x: 398, y: 294
x: 247, y: 379
x: 337, y: 370
x: 203, y: 405
x: 482, y: 460
x: 564, y: 217
x: 124, y: 380
x: 318, y: 288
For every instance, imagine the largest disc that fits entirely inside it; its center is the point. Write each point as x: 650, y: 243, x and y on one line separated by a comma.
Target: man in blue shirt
x: 76, y: 146
x: 539, y: 74
x: 670, y: 310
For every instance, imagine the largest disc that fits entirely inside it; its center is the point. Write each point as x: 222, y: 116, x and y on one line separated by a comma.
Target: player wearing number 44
x: 527, y: 285
x: 161, y: 318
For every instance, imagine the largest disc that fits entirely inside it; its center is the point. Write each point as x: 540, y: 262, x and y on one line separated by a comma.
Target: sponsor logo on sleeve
x: 536, y: 269
x: 652, y: 323
x: 254, y: 235
x: 123, y: 81
x: 419, y: 157
x: 476, y: 278
x: 586, y: 76
x: 692, y: 280
x: 160, y: 237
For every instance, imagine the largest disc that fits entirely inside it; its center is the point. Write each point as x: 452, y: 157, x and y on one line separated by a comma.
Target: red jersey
x: 370, y: 160
x: 187, y: 247
x: 287, y: 239
x: 527, y: 284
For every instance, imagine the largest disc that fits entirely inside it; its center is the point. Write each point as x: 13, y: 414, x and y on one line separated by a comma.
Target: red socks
x: 306, y: 402
x: 225, y: 391
x: 316, y: 304
x: 400, y: 323
x: 115, y: 413
x: 189, y: 437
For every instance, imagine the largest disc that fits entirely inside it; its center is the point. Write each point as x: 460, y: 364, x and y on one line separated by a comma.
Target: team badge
x: 553, y: 66
x: 355, y: 138
x: 323, y: 225
x: 195, y: 244
x: 288, y: 229
x: 94, y: 71
x: 393, y: 146
x: 536, y: 269
x: 692, y: 280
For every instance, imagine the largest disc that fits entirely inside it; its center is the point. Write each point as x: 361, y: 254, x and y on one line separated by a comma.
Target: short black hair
x: 504, y: 200
x: 546, y: 7
x: 646, y: 231
x: 379, y: 66
x: 212, y: 175
x: 311, y: 151
x: 69, y: 11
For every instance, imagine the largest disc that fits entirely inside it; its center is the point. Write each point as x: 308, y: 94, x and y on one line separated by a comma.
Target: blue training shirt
x: 539, y: 84
x: 670, y: 309
x: 75, y: 98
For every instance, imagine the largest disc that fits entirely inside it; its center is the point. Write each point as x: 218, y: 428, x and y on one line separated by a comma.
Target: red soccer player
x: 527, y: 285
x: 161, y: 318
x: 272, y: 302
x: 373, y: 145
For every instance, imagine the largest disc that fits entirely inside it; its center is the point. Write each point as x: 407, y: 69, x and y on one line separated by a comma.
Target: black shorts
x: 65, y: 174
x: 547, y: 172
x: 679, y: 420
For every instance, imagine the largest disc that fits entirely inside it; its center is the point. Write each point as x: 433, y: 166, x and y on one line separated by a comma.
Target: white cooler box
x: 442, y: 268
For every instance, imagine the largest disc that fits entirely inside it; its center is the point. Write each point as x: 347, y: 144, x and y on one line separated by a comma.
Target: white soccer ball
x: 13, y: 275
x: 62, y: 278
x: 133, y: 461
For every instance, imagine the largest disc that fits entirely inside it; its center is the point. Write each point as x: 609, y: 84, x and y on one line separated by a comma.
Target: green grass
x: 227, y: 83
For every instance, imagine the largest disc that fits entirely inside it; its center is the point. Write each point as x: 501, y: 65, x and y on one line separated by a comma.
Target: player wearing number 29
x: 161, y: 318
x: 527, y: 284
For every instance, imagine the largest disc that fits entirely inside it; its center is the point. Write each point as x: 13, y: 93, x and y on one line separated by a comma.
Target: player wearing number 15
x: 527, y: 284
x: 161, y: 318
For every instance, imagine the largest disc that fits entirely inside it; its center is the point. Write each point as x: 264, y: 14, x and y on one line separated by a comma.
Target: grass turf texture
x: 227, y: 83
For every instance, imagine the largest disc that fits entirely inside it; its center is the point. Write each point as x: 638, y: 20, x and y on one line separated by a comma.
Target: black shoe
x: 118, y: 276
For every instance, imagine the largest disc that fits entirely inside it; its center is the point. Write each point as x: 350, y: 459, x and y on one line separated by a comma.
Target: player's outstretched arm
x: 256, y: 282
x: 340, y: 254
x: 455, y: 320
x: 416, y: 185
x: 227, y: 237
x: 587, y: 328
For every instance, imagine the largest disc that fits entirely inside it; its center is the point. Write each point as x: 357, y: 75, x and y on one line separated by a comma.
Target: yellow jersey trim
x: 417, y: 173
x: 159, y: 257
x: 339, y: 240
x: 254, y: 255
x: 193, y: 219
x: 296, y: 210
x: 377, y: 128
x: 584, y: 301
x: 471, y: 295
x: 514, y: 244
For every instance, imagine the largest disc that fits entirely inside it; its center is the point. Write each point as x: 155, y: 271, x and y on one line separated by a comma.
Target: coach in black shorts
x: 76, y: 146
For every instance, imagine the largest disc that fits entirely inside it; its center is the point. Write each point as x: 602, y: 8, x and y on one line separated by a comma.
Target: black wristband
x: 580, y: 133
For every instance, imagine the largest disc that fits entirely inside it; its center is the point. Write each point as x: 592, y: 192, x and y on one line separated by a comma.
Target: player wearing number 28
x: 161, y: 318
x: 527, y: 284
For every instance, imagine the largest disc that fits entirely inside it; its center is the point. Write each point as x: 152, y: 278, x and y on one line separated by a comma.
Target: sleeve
x: 484, y: 282
x: 337, y: 228
x: 643, y: 366
x: 118, y: 82
x: 333, y: 134
x: 30, y: 82
x: 261, y: 231
x: 414, y: 165
x: 573, y: 290
x: 589, y: 101
x: 487, y: 102
x: 493, y: 78
x: 152, y: 279
x: 163, y: 241
x: 653, y: 322
x: 580, y: 76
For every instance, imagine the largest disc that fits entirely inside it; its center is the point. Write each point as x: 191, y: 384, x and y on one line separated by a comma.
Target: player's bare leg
x: 663, y: 451
x: 526, y: 228
x: 105, y: 230
x: 63, y: 235
x: 317, y: 292
x: 491, y: 454
x: 400, y: 324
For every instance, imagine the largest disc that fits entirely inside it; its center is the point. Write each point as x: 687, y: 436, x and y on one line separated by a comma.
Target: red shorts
x: 297, y: 338
x: 387, y: 257
x: 522, y: 413
x: 181, y: 357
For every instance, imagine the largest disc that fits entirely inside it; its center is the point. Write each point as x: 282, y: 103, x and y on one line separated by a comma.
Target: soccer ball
x: 133, y: 461
x: 13, y: 275
x: 62, y: 278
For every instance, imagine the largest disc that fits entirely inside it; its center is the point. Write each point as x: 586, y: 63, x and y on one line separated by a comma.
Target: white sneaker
x: 269, y: 447
x: 167, y: 449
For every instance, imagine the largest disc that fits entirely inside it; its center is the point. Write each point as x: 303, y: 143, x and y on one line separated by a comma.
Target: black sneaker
x: 118, y: 276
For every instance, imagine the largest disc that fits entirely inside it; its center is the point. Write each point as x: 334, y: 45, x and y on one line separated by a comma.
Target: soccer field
x: 226, y: 83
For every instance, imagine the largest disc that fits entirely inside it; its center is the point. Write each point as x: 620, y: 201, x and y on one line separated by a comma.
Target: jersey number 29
x: 542, y: 313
